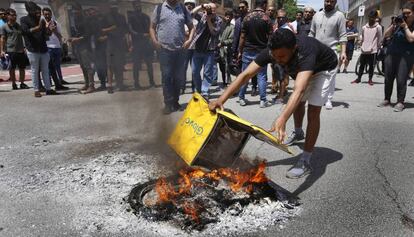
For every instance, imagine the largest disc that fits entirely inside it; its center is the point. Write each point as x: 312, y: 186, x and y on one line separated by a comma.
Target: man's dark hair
x: 245, y: 3
x: 46, y: 9
x: 2, y: 10
x: 228, y: 13
x: 373, y: 14
x: 261, y: 3
x: 10, y: 11
x: 408, y: 5
x: 299, y: 11
x: 32, y: 7
x: 282, y: 38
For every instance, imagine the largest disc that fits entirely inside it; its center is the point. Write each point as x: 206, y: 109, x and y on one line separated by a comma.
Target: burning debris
x: 198, y: 197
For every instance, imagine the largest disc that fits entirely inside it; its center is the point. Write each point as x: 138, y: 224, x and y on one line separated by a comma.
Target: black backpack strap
x: 184, y: 9
x: 159, y: 8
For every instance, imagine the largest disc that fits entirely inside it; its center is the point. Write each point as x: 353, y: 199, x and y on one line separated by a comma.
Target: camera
x: 399, y: 19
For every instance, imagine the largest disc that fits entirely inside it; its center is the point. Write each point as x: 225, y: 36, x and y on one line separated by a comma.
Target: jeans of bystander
x: 172, y: 65
x: 39, y: 61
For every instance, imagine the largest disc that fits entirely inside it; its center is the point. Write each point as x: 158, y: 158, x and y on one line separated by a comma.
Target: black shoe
x: 23, y: 86
x: 254, y: 92
x: 411, y: 82
x: 167, y: 110
x: 51, y: 92
x: 137, y: 87
x: 61, y: 88
x: 63, y: 82
x: 110, y: 90
x: 14, y: 86
x: 177, y: 107
x: 101, y: 88
x: 42, y: 89
x: 152, y: 84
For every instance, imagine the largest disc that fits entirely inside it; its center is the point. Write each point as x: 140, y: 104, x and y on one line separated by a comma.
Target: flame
x: 237, y: 181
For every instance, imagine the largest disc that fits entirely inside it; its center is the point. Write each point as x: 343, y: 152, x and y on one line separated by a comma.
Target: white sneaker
x: 265, y: 103
x: 299, y: 170
x: 242, y: 102
x: 328, y: 105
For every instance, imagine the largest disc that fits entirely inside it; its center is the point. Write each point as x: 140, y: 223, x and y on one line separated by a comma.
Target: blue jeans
x: 188, y: 61
x: 39, y: 61
x: 247, y: 58
x: 172, y: 65
x: 55, y: 68
x: 200, y: 60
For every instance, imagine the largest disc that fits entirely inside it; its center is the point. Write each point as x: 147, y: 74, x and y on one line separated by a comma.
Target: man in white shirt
x: 55, y: 50
x: 299, y: 16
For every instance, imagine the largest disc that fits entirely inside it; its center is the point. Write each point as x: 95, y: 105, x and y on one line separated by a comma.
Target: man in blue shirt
x: 3, y: 17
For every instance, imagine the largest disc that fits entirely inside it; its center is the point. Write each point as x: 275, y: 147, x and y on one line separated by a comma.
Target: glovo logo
x: 198, y: 129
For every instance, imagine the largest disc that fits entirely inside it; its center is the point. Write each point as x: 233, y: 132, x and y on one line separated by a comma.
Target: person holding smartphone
x: 400, y: 56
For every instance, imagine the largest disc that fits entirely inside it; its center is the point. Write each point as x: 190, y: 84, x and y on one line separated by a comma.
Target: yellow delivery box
x: 214, y: 140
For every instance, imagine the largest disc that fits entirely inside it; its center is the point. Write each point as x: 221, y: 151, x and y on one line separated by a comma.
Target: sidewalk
x: 68, y: 70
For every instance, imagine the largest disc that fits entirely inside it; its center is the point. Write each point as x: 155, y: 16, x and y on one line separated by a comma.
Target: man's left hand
x: 186, y: 44
x: 279, y: 127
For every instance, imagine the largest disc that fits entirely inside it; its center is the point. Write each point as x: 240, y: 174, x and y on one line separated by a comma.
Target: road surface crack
x: 406, y: 220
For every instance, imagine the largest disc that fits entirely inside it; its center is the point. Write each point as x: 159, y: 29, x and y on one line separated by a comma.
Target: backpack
x: 159, y: 8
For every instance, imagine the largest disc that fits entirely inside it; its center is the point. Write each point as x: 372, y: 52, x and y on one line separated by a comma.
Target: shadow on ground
x: 322, y: 157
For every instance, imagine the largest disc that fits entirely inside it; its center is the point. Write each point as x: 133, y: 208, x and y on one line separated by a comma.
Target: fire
x: 237, y: 180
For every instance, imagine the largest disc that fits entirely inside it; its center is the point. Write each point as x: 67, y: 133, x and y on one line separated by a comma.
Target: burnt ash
x: 210, y: 199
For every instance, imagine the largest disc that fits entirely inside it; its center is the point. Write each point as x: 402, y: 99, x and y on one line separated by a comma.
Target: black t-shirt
x: 304, y: 28
x: 257, y: 27
x: 35, y: 41
x: 311, y: 55
x: 116, y: 38
x: 202, y: 42
x: 83, y: 28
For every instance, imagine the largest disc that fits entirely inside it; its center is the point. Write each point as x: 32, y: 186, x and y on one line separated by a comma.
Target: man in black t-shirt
x: 313, y: 66
x: 139, y: 24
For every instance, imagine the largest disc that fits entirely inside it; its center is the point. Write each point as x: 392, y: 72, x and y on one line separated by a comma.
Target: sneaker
x: 14, y: 86
x: 23, y: 86
x: 63, y: 82
x: 278, y: 101
x: 242, y: 102
x: 91, y: 89
x: 294, y: 137
x: 51, y: 92
x: 385, y: 103
x: 399, y: 107
x: 345, y: 71
x: 300, y: 169
x: 254, y: 92
x: 338, y: 71
x: 37, y: 94
x: 84, y: 88
x: 265, y: 104
x: 42, y: 89
x: 328, y: 105
x: 370, y: 82
x: 356, y: 81
x: 110, y: 90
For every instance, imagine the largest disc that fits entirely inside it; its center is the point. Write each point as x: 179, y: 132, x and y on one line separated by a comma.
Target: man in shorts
x: 11, y: 40
x: 313, y: 67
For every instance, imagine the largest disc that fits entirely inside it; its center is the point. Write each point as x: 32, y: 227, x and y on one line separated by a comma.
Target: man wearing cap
x: 168, y: 36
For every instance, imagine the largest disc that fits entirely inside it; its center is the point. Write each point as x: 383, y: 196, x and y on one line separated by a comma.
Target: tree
x: 291, y: 8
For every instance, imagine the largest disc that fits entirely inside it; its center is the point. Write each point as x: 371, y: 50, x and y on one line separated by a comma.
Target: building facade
x: 386, y: 9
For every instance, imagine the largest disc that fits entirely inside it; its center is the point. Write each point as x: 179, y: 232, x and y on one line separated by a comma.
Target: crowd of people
x: 194, y: 36
x: 311, y: 50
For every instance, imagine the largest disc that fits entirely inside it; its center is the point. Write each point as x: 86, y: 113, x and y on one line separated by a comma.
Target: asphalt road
x: 361, y: 184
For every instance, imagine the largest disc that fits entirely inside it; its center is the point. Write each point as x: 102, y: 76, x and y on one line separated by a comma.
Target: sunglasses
x: 242, y: 7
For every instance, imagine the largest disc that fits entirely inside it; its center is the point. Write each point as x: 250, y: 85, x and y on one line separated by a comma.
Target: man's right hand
x: 2, y: 54
x: 157, y: 45
x: 214, y: 105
